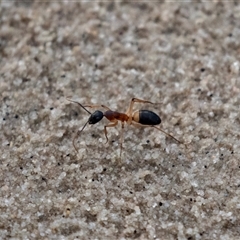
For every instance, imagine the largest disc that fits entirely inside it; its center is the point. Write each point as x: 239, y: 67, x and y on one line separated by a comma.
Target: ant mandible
x: 139, y: 117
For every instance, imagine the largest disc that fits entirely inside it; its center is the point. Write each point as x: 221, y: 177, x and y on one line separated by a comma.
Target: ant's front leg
x: 121, y: 141
x: 121, y: 138
x: 109, y: 125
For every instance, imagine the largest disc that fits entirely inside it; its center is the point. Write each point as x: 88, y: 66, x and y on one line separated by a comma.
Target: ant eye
x: 95, y: 117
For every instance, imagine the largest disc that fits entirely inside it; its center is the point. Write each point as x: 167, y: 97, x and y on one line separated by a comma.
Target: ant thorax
x: 113, y: 115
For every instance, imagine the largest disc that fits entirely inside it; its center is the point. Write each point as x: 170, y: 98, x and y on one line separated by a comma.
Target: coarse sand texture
x: 182, y: 56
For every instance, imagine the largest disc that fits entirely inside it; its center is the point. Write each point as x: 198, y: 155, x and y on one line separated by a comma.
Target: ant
x: 140, y: 117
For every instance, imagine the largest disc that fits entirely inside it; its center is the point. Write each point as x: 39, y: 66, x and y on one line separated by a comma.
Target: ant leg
x: 186, y: 146
x: 130, y: 108
x: 109, y: 125
x: 139, y: 124
x: 167, y: 134
x: 121, y: 141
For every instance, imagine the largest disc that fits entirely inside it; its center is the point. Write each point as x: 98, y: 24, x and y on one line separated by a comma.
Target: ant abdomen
x: 146, y: 117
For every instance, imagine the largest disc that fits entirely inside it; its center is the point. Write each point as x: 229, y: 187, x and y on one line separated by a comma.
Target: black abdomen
x: 148, y: 118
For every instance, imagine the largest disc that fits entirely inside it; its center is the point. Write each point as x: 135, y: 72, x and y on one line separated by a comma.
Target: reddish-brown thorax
x: 112, y: 115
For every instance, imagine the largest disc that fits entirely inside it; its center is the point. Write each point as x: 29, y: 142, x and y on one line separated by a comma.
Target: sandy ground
x: 185, y: 57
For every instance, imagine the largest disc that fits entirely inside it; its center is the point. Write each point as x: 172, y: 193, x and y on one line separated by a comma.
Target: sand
x: 184, y: 57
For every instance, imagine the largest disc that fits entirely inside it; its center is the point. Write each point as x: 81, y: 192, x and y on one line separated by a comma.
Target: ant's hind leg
x: 109, y: 125
x: 158, y: 128
x: 186, y: 146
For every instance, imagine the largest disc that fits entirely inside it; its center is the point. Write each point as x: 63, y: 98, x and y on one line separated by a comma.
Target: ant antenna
x: 80, y: 106
x: 74, y: 139
x: 78, y: 132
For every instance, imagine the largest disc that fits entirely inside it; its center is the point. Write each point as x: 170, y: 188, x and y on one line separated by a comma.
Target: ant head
x: 95, y: 117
